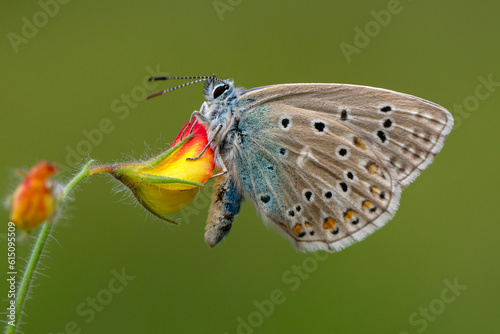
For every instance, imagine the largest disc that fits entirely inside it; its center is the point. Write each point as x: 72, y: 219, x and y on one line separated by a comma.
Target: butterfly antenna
x: 198, y: 79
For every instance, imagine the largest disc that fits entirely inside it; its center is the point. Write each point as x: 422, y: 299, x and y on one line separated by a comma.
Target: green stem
x: 28, y: 274
x: 75, y: 180
x: 38, y: 250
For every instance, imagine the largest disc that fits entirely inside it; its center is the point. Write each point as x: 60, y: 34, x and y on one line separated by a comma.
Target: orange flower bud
x: 35, y: 199
x: 168, y: 182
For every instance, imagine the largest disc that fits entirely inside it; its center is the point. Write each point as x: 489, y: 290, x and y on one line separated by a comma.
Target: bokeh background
x: 87, y: 61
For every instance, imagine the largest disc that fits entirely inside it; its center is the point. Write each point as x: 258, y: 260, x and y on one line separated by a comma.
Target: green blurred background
x: 85, y: 61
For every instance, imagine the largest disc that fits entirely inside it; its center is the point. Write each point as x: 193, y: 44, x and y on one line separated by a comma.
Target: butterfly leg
x: 221, y: 163
x: 226, y: 203
x: 192, y: 126
x: 203, y: 108
x: 196, y: 114
x: 208, y: 144
x: 200, y: 115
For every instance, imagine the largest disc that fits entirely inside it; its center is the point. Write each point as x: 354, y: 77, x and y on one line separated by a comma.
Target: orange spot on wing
x: 359, y: 143
x: 372, y: 168
x: 349, y: 214
x: 367, y: 204
x: 297, y: 230
x: 329, y: 223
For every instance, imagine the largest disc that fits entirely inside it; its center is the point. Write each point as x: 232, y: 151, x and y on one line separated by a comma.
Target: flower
x: 35, y: 199
x: 168, y: 182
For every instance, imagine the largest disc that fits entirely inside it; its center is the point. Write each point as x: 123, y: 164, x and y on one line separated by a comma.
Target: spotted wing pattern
x: 325, y: 164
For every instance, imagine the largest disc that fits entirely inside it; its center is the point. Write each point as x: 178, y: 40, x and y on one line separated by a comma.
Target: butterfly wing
x: 407, y: 130
x: 325, y: 163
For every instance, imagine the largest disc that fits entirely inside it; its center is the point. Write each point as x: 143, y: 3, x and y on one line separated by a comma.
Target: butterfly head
x: 218, y: 90
x: 215, y: 88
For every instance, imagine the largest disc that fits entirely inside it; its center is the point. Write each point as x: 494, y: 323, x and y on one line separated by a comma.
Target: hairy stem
x: 27, y: 277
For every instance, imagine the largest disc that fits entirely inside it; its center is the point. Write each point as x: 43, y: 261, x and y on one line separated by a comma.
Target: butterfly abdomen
x: 226, y: 203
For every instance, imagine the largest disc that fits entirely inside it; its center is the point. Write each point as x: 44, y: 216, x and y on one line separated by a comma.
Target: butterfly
x: 324, y: 164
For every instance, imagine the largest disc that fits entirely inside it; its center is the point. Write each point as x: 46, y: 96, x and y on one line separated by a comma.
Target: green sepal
x: 156, y: 160
x: 158, y: 179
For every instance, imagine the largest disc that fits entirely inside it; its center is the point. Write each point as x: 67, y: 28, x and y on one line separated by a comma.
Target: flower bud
x: 168, y: 182
x: 35, y: 199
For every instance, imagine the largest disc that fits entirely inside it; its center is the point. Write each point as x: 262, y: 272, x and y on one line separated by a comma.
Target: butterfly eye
x: 219, y: 90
